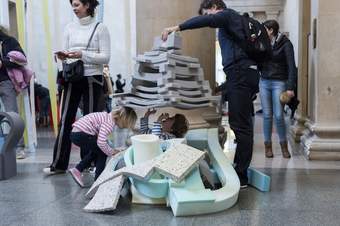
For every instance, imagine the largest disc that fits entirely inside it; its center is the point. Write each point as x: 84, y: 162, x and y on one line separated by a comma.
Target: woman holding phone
x: 94, y: 53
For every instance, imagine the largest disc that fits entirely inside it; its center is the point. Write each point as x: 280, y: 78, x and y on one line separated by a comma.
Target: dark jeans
x: 90, y: 90
x: 241, y: 87
x: 92, y: 153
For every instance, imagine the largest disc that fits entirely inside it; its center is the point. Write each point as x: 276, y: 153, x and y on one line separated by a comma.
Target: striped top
x: 156, y: 129
x: 100, y: 124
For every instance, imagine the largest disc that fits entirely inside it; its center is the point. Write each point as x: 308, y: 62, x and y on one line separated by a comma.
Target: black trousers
x: 90, y: 90
x: 92, y: 152
x: 242, y: 85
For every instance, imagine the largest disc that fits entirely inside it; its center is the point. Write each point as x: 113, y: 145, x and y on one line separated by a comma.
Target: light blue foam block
x: 258, y: 180
x: 2, y: 142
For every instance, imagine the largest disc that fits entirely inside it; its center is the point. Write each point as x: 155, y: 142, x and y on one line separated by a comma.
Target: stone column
x: 321, y: 140
x: 304, y: 29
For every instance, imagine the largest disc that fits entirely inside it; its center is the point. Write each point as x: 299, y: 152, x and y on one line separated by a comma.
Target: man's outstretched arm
x: 218, y: 20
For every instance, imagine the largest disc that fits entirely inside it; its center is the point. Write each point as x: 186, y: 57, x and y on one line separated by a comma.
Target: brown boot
x: 284, y: 149
x: 268, y: 149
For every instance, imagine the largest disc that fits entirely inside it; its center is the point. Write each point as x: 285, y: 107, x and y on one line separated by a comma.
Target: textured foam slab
x: 141, y: 172
x: 178, y: 161
x: 107, y: 196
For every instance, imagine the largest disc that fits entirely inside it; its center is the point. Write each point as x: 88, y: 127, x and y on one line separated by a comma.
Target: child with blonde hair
x: 90, y: 133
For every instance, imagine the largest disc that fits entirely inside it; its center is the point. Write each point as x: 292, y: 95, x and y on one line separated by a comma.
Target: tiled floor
x: 302, y: 193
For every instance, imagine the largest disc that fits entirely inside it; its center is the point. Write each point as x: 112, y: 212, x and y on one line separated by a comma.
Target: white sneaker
x: 49, y: 171
x: 21, y: 155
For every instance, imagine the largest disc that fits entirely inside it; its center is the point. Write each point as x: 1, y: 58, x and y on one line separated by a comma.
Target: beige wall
x: 153, y: 16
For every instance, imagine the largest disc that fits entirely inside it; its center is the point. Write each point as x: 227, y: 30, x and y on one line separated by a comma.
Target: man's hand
x: 75, y: 55
x: 290, y: 93
x: 168, y: 31
x: 150, y: 112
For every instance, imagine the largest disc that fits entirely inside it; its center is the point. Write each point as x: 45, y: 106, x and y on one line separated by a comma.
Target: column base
x: 321, y: 142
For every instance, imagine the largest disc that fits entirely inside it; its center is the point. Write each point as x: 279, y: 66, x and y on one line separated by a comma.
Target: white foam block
x: 141, y: 171
x: 178, y: 161
x: 107, y: 196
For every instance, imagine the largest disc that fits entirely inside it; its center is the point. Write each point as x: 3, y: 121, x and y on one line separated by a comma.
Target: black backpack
x: 256, y: 42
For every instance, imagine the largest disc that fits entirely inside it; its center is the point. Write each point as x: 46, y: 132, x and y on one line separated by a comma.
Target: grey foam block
x: 185, y: 158
x: 163, y: 68
x: 146, y: 89
x: 165, y: 56
x: 194, y: 93
x: 177, y: 63
x: 170, y: 75
x: 190, y: 100
x: 107, y: 196
x: 186, y: 106
x: 181, y: 83
x: 142, y: 101
x: 174, y: 41
x: 147, y: 95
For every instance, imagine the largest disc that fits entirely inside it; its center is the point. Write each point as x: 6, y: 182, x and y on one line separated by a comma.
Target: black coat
x: 282, y: 65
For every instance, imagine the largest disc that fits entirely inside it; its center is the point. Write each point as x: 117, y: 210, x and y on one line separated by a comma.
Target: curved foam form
x: 193, y: 199
x: 154, y: 188
x: 190, y: 197
x: 146, y: 147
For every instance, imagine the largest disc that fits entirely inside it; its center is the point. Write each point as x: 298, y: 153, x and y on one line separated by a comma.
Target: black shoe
x: 243, y: 183
x: 243, y: 186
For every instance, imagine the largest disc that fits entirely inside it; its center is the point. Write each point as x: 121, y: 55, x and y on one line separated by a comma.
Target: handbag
x: 74, y: 72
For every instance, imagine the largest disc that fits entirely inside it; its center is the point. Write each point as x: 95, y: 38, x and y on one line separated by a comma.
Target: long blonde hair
x: 126, y: 115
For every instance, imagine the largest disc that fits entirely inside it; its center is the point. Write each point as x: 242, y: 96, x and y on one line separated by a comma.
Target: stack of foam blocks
x: 165, y: 77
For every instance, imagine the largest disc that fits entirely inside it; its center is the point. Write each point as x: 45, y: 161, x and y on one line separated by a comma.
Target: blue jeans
x: 270, y: 91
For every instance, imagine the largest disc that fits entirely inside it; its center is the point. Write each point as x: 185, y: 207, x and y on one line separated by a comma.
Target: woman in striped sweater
x: 90, y: 134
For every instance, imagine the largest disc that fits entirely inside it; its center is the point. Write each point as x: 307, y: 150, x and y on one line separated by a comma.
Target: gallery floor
x: 302, y: 193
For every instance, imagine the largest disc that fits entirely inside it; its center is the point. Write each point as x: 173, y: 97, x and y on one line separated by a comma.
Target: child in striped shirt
x: 165, y: 127
x: 90, y: 134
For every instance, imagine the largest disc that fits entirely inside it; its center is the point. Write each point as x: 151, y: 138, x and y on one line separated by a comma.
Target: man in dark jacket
x: 7, y: 91
x: 241, y: 71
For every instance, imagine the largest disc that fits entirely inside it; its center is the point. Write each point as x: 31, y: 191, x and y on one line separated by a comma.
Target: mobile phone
x: 61, y: 53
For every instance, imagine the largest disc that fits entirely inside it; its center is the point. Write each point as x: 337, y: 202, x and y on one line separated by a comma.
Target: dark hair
x: 180, y: 126
x: 119, y: 76
x: 246, y: 15
x: 92, y: 5
x: 208, y: 4
x: 272, y: 24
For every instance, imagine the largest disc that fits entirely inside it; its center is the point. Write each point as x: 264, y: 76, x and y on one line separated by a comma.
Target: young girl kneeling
x: 90, y: 134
